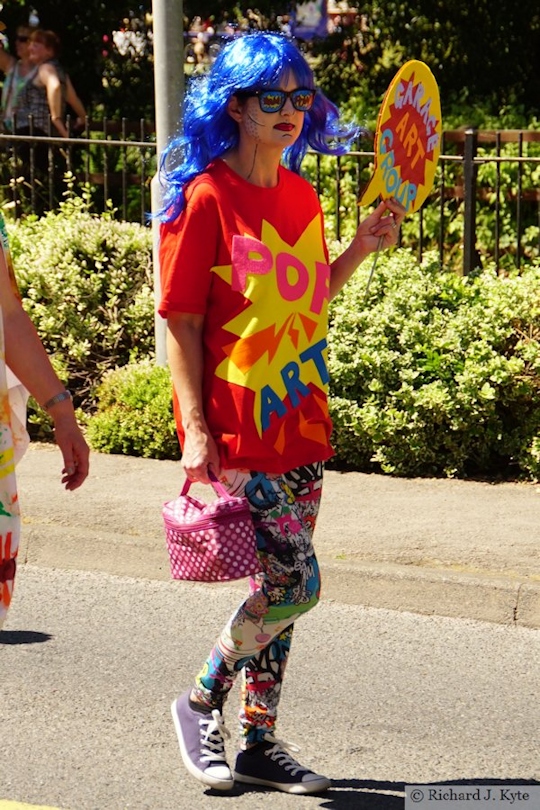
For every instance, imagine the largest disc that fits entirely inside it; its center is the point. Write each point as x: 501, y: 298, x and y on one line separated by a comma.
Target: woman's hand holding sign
x: 378, y: 230
x: 381, y: 228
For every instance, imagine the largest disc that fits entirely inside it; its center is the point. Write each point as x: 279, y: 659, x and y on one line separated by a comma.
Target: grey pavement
x: 376, y: 699
x: 99, y: 640
x: 430, y: 546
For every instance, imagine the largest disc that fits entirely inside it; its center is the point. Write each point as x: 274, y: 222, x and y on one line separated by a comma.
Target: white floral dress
x: 13, y: 443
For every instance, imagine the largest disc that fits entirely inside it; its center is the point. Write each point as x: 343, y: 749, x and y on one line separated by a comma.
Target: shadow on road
x: 23, y: 637
x: 365, y: 793
x: 373, y: 795
x: 344, y: 794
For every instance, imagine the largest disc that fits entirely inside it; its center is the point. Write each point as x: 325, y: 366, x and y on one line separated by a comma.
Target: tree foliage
x: 482, y: 54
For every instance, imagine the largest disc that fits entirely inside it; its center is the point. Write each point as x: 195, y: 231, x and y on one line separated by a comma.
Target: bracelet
x: 57, y: 398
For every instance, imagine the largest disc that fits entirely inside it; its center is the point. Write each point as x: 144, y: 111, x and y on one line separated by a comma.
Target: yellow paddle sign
x: 407, y: 139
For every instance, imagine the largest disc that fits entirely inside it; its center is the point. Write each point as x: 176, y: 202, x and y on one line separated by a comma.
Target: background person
x: 17, y: 70
x: 50, y: 89
x: 22, y: 354
x: 246, y: 280
x: 42, y: 100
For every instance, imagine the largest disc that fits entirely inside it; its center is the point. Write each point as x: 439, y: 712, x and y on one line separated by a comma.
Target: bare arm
x: 185, y: 352
x: 53, y: 86
x: 74, y: 101
x: 383, y: 224
x: 7, y: 61
x: 28, y: 360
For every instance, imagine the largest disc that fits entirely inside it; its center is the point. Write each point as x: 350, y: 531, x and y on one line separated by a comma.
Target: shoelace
x: 279, y: 753
x: 213, y: 732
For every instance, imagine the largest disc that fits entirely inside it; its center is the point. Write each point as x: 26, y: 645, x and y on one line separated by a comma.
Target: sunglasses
x: 273, y: 101
x: 22, y: 39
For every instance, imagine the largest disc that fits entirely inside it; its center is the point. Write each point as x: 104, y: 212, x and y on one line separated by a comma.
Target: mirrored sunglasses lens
x: 272, y: 101
x: 302, y: 99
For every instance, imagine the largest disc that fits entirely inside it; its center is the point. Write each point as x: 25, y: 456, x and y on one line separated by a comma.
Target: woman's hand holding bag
x: 213, y: 542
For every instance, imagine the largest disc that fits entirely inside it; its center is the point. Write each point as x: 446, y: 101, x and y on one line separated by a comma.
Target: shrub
x: 435, y: 374
x: 431, y: 373
x: 86, y: 282
x: 134, y: 414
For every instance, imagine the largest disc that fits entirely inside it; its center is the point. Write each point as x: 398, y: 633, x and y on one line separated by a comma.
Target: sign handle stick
x: 374, y: 265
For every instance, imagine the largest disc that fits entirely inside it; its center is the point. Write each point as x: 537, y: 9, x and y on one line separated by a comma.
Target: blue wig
x: 253, y: 61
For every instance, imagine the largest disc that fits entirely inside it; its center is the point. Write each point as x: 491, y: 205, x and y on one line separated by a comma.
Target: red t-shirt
x: 254, y: 262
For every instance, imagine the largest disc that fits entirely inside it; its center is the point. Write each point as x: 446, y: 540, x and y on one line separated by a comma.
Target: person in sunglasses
x: 17, y: 70
x: 245, y: 284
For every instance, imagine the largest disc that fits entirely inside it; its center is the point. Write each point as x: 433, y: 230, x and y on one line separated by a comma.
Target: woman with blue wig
x: 246, y: 280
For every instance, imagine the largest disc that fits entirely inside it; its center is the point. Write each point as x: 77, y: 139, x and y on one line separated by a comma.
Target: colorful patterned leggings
x: 257, y: 638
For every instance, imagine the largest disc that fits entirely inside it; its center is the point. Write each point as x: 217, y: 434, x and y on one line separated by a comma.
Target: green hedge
x: 86, y: 282
x: 435, y: 374
x: 431, y: 373
x: 134, y: 413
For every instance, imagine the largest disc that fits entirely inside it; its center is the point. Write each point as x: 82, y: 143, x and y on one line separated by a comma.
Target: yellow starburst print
x: 278, y: 348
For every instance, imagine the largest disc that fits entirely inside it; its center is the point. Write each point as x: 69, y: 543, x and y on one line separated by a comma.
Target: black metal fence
x: 484, y: 206
x: 110, y: 162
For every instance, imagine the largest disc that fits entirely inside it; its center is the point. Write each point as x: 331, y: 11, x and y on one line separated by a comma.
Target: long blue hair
x: 252, y: 61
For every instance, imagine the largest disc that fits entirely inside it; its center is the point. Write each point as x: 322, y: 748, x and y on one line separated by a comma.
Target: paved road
x: 99, y: 640
x: 451, y: 548
x: 376, y: 698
